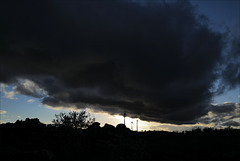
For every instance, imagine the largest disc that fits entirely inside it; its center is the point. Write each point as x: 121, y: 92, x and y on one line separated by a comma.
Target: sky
x: 171, y: 65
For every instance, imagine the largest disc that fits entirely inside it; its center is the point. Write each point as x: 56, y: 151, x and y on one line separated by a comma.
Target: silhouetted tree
x: 74, y: 119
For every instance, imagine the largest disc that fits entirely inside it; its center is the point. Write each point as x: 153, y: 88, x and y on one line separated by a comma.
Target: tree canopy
x: 74, y: 119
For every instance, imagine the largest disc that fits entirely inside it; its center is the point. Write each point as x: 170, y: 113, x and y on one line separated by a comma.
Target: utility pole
x: 137, y: 125
x: 124, y: 115
x: 0, y: 102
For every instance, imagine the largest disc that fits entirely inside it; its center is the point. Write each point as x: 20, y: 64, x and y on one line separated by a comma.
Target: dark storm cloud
x: 225, y: 108
x: 231, y: 73
x: 154, y: 61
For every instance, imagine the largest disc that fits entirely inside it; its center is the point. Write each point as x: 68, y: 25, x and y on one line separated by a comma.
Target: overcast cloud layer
x: 153, y: 61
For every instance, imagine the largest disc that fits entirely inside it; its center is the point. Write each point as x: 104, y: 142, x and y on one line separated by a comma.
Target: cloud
x: 231, y: 123
x: 31, y: 100
x: 222, y: 114
x: 231, y: 69
x: 7, y: 94
x: 183, y: 127
x: 72, y: 108
x: 29, y: 88
x: 3, y: 112
x: 156, y: 62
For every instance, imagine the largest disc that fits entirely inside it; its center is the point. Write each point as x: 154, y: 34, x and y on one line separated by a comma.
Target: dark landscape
x: 34, y: 141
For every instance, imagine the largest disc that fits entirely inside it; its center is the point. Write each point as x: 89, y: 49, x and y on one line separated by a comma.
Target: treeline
x: 35, y: 141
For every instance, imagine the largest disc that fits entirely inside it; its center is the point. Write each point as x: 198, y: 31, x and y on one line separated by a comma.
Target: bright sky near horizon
x: 15, y: 106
